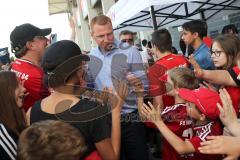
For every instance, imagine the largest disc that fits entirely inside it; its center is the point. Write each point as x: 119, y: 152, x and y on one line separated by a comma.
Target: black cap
x: 63, y: 54
x: 25, y: 32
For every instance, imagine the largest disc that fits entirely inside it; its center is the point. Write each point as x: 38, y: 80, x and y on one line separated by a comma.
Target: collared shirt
x: 203, y: 57
x: 104, y: 68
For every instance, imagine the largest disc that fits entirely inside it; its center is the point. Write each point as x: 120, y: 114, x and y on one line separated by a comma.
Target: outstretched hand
x: 221, y: 145
x: 118, y: 96
x: 136, y: 83
x: 71, y: 23
x: 227, y: 112
x: 197, y: 68
x: 151, y: 113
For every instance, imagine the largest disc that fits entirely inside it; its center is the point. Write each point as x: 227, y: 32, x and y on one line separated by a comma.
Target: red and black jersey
x: 234, y: 92
x: 235, y: 74
x: 177, y: 120
x: 213, y: 128
x: 32, y: 78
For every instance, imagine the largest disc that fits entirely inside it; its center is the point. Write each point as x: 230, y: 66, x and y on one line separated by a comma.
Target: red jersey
x: 175, y: 117
x: 213, y: 128
x: 157, y: 76
x: 32, y: 77
x: 234, y: 92
x: 208, y: 41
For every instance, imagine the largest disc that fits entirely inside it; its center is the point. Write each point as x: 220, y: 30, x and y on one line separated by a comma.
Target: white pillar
x: 78, y: 30
x: 83, y: 32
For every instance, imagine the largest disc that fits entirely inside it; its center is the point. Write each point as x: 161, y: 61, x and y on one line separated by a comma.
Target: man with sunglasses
x: 28, y: 43
x: 127, y: 36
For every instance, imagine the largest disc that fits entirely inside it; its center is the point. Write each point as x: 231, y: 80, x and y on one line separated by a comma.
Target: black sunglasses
x: 127, y: 40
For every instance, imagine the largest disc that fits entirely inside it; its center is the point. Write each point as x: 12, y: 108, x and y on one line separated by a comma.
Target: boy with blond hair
x: 187, y: 123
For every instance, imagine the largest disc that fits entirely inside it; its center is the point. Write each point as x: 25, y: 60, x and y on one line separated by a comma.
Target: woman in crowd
x: 225, y: 52
x: 12, y: 119
x: 65, y: 70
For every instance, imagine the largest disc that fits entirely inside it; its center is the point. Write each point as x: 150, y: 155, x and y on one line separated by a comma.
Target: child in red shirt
x: 202, y: 108
x: 175, y: 116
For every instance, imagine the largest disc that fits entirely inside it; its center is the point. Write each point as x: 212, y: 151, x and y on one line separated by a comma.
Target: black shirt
x: 90, y: 118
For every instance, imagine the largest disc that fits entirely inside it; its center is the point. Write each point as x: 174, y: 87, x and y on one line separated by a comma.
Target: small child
x: 202, y: 108
x: 175, y: 117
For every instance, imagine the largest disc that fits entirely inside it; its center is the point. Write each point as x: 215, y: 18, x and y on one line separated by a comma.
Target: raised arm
x: 154, y: 115
x: 112, y: 144
x: 227, y: 113
x: 138, y: 89
x: 226, y: 145
x: 73, y: 30
x: 220, y: 77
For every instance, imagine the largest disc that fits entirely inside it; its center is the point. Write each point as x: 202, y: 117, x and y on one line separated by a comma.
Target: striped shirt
x: 8, y: 146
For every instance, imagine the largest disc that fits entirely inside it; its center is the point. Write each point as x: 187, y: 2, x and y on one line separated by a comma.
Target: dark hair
x: 126, y: 32
x: 144, y: 42
x: 228, y: 28
x: 231, y: 46
x: 162, y: 40
x: 149, y: 44
x: 198, y: 26
x: 11, y: 114
x: 50, y: 139
x: 174, y: 50
x: 22, y: 52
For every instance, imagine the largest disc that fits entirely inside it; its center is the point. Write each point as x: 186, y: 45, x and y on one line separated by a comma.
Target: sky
x: 17, y: 12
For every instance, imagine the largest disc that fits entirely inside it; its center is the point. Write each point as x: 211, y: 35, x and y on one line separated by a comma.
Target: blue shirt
x: 203, y: 57
x: 104, y: 68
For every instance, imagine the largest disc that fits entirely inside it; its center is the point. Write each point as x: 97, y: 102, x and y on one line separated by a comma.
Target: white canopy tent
x: 144, y: 14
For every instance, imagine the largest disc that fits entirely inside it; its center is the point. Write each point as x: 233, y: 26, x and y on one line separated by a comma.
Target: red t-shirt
x: 32, y: 77
x: 213, y: 128
x: 175, y: 117
x: 157, y: 76
x: 234, y: 92
x: 208, y: 41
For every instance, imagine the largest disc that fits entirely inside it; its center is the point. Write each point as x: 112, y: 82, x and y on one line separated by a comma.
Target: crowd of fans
x: 59, y: 103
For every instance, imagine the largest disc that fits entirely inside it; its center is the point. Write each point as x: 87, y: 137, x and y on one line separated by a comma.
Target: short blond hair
x: 50, y: 139
x: 183, y: 77
x: 100, y: 20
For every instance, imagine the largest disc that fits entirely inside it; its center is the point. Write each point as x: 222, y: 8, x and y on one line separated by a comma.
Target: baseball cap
x: 206, y: 100
x: 64, y: 54
x: 25, y: 32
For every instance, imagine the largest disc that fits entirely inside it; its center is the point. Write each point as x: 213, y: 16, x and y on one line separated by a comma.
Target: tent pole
x: 202, y: 15
x: 153, y: 16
